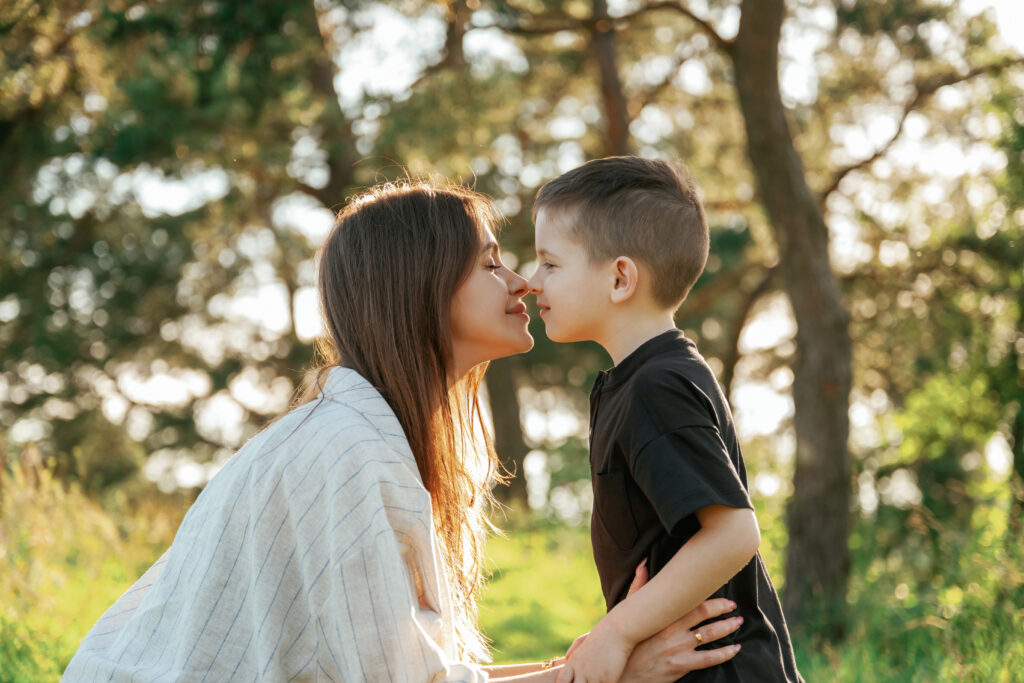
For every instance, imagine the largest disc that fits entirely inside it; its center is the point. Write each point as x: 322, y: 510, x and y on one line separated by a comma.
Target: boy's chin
x: 559, y: 336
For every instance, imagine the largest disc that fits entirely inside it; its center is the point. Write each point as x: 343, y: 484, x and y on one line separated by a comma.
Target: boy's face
x: 572, y: 291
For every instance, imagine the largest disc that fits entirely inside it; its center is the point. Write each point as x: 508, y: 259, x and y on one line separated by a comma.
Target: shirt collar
x: 643, y: 353
x: 341, y: 380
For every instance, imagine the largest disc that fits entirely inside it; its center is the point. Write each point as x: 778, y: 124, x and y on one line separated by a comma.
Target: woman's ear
x: 626, y: 279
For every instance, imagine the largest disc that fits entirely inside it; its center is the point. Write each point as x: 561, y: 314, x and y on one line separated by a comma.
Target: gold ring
x: 698, y: 636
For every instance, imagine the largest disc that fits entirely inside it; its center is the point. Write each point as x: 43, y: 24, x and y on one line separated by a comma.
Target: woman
x: 344, y: 541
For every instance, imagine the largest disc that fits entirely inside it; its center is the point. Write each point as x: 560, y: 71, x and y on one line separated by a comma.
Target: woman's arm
x: 509, y: 670
x: 531, y: 673
x: 672, y: 653
x: 662, y: 658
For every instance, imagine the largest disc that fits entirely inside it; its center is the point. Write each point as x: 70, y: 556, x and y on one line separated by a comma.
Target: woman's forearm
x: 506, y: 670
x: 525, y: 673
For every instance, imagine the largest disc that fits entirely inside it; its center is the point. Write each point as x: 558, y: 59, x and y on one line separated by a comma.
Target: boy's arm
x: 728, y: 539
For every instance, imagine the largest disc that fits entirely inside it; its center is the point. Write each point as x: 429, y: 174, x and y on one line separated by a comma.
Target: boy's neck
x: 628, y: 332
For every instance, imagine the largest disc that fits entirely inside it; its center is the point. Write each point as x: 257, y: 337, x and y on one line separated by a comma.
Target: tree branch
x: 925, y: 89
x: 528, y: 23
x: 700, y: 301
x: 453, y: 57
x: 652, y: 92
x: 733, y: 355
x: 703, y: 24
x: 338, y: 140
x: 546, y: 24
x: 536, y: 29
x: 728, y: 205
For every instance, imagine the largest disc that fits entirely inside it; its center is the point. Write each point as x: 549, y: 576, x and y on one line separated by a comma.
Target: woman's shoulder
x: 348, y: 426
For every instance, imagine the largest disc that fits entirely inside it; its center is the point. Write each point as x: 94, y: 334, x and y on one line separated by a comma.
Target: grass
x: 542, y: 593
x: 963, y: 625
x: 955, y: 614
x: 64, y: 560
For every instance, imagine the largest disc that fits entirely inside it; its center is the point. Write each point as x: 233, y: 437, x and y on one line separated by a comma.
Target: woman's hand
x: 672, y: 652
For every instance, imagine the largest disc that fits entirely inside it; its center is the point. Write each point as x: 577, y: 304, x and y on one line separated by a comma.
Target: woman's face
x: 488, y: 314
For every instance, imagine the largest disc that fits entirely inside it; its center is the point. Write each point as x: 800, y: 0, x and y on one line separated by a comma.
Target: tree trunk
x: 818, y: 560
x: 602, y: 42
x: 508, y: 429
x: 339, y: 141
x: 1016, y: 369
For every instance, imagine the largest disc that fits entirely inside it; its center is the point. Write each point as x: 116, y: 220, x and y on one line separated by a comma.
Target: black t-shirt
x: 662, y: 446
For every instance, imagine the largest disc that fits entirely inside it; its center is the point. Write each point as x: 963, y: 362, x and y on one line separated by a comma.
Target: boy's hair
x: 646, y: 209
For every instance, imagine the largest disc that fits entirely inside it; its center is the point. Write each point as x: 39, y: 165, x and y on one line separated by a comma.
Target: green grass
x: 544, y: 592
x: 918, y: 614
x: 64, y: 560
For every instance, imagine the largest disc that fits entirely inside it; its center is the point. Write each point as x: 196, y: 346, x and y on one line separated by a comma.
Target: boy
x: 620, y: 242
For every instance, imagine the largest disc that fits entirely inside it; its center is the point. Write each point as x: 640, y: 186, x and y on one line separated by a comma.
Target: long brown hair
x: 387, y: 274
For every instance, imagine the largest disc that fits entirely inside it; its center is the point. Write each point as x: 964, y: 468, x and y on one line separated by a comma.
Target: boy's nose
x: 533, y: 284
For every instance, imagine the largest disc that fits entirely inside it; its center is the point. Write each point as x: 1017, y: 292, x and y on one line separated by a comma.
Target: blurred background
x: 169, y: 169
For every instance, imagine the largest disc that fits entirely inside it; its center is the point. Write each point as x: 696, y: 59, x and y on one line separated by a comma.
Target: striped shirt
x: 310, y: 556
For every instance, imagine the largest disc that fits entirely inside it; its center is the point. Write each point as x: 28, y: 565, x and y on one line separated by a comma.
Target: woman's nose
x: 517, y: 285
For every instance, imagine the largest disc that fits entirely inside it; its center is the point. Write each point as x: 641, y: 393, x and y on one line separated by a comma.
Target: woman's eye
x: 492, y: 266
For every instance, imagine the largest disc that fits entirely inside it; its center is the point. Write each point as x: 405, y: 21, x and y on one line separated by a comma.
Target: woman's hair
x: 387, y: 274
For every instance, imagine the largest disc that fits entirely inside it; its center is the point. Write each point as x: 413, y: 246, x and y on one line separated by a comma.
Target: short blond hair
x: 646, y: 209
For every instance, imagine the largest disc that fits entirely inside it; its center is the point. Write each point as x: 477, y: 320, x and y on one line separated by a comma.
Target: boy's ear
x: 626, y: 279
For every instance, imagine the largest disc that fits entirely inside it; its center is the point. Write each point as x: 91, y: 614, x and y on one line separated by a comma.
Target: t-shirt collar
x: 640, y: 355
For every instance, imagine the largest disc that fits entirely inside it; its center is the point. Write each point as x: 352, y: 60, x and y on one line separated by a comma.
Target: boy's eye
x: 548, y: 264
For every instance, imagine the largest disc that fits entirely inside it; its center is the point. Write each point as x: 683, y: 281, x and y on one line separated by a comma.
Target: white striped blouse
x: 310, y: 556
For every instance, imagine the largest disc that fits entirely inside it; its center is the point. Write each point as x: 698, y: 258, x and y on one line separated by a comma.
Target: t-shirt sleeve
x: 685, y: 470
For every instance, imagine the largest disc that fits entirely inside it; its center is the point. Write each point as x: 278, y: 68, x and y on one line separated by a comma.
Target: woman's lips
x: 518, y: 309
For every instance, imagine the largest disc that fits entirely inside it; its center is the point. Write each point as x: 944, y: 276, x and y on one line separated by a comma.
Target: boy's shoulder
x: 676, y: 380
x: 674, y: 365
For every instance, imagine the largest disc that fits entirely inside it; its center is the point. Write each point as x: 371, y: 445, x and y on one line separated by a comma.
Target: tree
x: 100, y: 282
x: 102, y: 101
x: 817, y: 555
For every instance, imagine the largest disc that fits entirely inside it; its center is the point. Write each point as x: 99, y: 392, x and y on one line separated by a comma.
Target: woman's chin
x: 514, y: 347
x: 526, y: 345
x: 522, y: 346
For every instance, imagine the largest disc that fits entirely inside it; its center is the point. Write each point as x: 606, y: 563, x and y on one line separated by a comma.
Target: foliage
x: 110, y: 110
x: 65, y: 559
x: 106, y: 106
x: 542, y: 592
x: 955, y: 626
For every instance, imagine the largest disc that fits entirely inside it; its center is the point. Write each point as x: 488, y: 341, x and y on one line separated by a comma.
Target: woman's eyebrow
x: 490, y: 246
